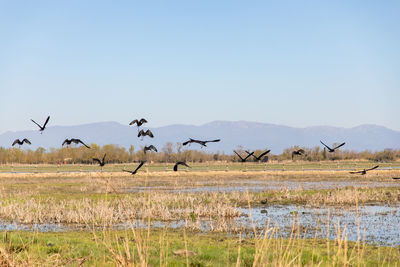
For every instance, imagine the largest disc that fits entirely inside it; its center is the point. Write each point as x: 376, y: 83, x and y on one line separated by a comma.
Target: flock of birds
x: 203, y: 143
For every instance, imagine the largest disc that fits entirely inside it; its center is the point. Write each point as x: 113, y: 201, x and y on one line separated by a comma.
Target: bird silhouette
x: 137, y: 168
x: 44, y: 125
x: 260, y: 156
x: 150, y: 147
x: 17, y: 141
x: 332, y: 149
x: 244, y: 159
x: 138, y: 122
x: 180, y: 163
x: 299, y: 152
x: 101, y: 162
x: 396, y: 178
x: 144, y: 133
x: 75, y: 141
x: 363, y: 172
x: 202, y: 143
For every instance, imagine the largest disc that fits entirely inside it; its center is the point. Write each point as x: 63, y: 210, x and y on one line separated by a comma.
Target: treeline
x: 174, y: 152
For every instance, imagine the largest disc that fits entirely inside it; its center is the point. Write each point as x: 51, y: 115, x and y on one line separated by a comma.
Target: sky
x: 295, y: 63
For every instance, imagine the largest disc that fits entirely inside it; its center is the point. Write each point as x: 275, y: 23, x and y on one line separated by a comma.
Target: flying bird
x: 299, y: 152
x: 202, y: 143
x: 180, y: 163
x: 138, y: 122
x: 144, y: 133
x: 396, y: 178
x: 150, y: 147
x: 260, y: 156
x: 75, y: 141
x: 101, y: 162
x: 44, y: 125
x: 244, y: 159
x: 137, y: 168
x: 19, y: 142
x: 363, y: 172
x: 332, y: 149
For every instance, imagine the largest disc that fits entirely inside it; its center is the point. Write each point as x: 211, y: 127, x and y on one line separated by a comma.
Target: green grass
x: 121, y: 247
x: 212, y: 166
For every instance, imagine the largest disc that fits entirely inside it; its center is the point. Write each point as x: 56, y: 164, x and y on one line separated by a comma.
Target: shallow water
x: 377, y: 224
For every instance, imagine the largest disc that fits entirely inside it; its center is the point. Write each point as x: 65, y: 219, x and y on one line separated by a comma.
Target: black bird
x: 17, y: 141
x: 144, y: 133
x: 299, y: 152
x: 260, y: 156
x: 44, y: 125
x: 244, y: 159
x: 75, y: 141
x: 332, y: 149
x: 137, y: 168
x: 396, y: 178
x: 138, y: 122
x: 101, y: 162
x: 150, y: 147
x: 202, y: 143
x: 180, y: 163
x: 363, y: 172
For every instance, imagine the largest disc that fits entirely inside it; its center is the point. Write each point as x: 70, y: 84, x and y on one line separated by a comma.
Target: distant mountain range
x: 251, y: 135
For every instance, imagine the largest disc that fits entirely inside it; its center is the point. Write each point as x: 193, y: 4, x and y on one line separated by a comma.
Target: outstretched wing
x: 216, y: 140
x: 153, y: 148
x: 36, y: 123
x: 16, y: 141
x: 138, y: 167
x: 97, y: 160
x: 104, y: 157
x: 325, y: 145
x: 356, y: 172
x: 149, y: 133
x: 396, y: 178
x: 133, y: 122
x: 142, y: 120
x: 301, y: 151
x: 26, y: 141
x: 141, y: 133
x: 373, y: 168
x: 239, y: 155
x: 126, y: 171
x: 264, y: 153
x: 187, y: 142
x: 80, y: 141
x: 45, y: 123
x: 251, y: 154
x: 342, y: 144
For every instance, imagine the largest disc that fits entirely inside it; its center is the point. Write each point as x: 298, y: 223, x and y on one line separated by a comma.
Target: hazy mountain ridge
x: 247, y: 134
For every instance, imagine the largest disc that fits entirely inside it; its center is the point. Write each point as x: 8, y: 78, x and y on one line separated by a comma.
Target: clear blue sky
x: 297, y: 63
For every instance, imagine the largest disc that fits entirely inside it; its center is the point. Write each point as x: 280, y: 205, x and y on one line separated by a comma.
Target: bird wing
x: 251, y: 154
x: 16, y: 141
x: 26, y: 141
x: 104, y: 157
x: 36, y: 124
x: 141, y: 133
x: 80, y: 141
x: 356, y: 172
x: 45, y: 123
x: 142, y: 120
x: 264, y: 153
x: 238, y: 155
x: 216, y: 140
x: 153, y: 147
x: 176, y: 167
x: 133, y: 122
x: 149, y: 133
x: 96, y: 159
x: 301, y: 151
x: 396, y: 178
x: 187, y: 142
x: 342, y: 144
x: 325, y: 145
x: 138, y: 167
x: 373, y: 168
x: 126, y: 171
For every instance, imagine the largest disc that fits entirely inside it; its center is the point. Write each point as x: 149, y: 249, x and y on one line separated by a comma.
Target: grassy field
x: 101, y: 207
